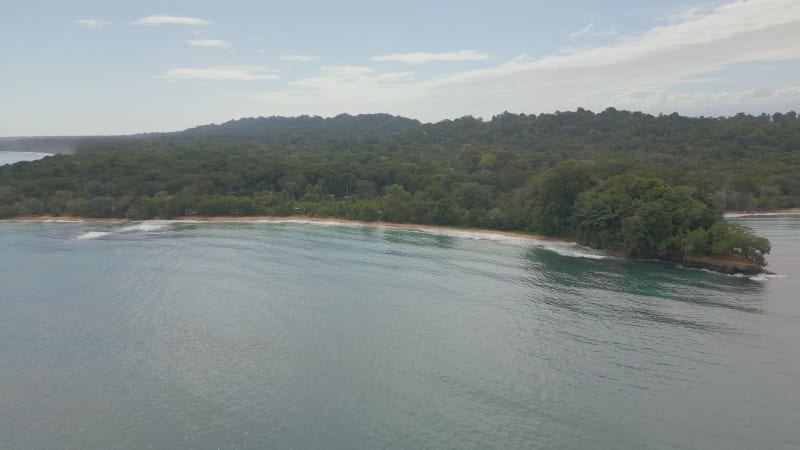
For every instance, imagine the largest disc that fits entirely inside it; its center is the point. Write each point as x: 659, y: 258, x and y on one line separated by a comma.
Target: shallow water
x: 270, y: 335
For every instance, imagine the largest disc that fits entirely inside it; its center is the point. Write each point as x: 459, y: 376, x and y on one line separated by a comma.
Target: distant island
x: 633, y: 184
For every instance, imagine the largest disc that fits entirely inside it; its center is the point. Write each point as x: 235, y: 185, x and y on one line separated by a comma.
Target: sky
x: 99, y: 67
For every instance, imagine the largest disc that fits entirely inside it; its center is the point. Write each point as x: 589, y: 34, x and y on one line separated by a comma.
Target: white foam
x: 142, y: 227
x: 145, y: 227
x: 479, y: 235
x: 760, y: 277
x: 93, y: 235
x: 573, y: 250
x: 570, y: 249
x: 166, y: 223
x: 766, y: 276
x: 759, y: 214
x: 328, y: 223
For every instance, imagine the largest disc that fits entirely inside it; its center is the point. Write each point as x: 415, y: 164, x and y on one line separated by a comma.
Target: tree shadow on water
x: 642, y: 280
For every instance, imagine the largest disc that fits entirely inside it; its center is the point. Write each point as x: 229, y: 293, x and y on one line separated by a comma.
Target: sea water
x: 13, y: 157
x: 299, y: 335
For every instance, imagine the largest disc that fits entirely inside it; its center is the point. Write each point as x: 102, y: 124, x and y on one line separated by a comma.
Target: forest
x: 643, y: 185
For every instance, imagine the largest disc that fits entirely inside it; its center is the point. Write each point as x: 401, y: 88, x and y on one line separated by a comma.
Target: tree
x: 559, y: 189
x: 396, y: 204
x: 727, y: 237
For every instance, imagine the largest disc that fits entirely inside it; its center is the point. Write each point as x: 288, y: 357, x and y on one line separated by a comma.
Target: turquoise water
x: 292, y: 335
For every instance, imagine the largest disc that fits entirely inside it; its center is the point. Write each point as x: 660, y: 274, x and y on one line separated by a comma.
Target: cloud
x: 690, y: 13
x: 299, y: 58
x: 589, y: 31
x: 583, y: 32
x: 170, y: 20
x: 395, y: 77
x: 663, y: 69
x: 343, y: 89
x: 354, y: 76
x: 221, y: 73
x: 92, y: 23
x: 209, y: 43
x: 337, y: 76
x: 425, y: 57
x: 704, y: 103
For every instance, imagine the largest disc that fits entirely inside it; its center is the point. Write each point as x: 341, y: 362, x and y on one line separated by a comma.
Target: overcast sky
x: 117, y: 67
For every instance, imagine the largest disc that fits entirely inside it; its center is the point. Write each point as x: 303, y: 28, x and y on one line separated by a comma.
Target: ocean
x: 293, y: 335
x: 12, y: 157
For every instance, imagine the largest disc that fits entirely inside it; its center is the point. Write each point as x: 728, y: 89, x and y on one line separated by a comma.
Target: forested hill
x: 651, y: 186
x: 317, y: 128
x: 742, y: 162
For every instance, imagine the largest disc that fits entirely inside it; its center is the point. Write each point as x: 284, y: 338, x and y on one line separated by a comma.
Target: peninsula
x: 633, y: 184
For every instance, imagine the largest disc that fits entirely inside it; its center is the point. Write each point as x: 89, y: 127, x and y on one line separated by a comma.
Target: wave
x: 479, y: 235
x: 573, y: 250
x: 158, y: 225
x: 760, y: 214
x: 762, y: 277
x: 93, y: 235
x: 765, y: 276
x: 141, y: 227
x: 146, y: 227
x: 570, y: 249
x: 328, y: 223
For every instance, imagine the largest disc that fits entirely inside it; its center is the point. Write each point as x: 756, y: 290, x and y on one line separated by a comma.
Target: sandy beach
x: 295, y: 219
x: 724, y: 264
x: 776, y: 212
x: 342, y: 221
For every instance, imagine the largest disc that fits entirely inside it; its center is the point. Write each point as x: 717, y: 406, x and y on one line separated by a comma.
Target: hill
x: 550, y: 173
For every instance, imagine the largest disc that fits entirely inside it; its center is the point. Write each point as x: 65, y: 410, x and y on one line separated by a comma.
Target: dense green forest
x: 648, y: 186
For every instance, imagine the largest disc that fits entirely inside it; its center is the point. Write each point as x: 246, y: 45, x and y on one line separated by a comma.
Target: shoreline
x: 773, y: 212
x: 298, y: 219
x: 721, y: 264
x: 302, y: 218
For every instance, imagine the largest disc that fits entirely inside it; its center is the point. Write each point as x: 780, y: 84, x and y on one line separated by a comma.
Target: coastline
x: 295, y: 219
x: 726, y: 264
x: 773, y: 212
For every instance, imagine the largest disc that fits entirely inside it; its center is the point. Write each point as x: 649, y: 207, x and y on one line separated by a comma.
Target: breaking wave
x: 569, y: 249
x: 324, y: 223
x: 760, y: 214
x: 146, y: 227
x: 573, y: 250
x: 764, y: 276
x: 761, y: 277
x: 141, y: 227
x: 92, y: 235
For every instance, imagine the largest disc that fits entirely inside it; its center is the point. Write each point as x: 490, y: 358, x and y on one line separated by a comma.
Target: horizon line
x: 578, y: 110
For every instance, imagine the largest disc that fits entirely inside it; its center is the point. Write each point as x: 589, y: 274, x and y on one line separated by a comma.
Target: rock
x: 728, y: 264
